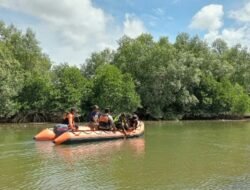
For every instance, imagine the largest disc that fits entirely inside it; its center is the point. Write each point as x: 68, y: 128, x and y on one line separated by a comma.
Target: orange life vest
x: 104, y: 118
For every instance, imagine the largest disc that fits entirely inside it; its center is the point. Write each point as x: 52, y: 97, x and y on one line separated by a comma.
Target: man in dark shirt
x: 94, y: 116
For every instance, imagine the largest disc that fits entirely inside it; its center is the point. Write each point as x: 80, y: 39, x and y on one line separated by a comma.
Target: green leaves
x: 185, y: 77
x: 222, y: 97
x: 69, y: 87
x: 97, y: 59
x: 114, y: 90
x: 11, y: 82
x: 166, y: 80
x: 36, y: 93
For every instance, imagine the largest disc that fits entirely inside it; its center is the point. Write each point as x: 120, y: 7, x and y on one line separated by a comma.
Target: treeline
x: 158, y: 79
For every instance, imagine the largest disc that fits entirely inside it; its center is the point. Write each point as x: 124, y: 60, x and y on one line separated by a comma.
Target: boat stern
x: 62, y: 138
x: 45, y: 135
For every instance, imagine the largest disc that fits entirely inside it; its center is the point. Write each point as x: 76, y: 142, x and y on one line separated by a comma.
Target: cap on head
x: 95, y: 107
x: 134, y: 116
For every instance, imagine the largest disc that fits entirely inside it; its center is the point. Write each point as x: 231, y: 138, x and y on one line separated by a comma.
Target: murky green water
x: 171, y: 155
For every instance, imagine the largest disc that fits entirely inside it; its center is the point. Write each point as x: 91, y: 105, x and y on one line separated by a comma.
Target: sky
x: 70, y: 30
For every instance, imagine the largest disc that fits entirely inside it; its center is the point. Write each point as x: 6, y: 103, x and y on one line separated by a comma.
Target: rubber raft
x: 85, y: 134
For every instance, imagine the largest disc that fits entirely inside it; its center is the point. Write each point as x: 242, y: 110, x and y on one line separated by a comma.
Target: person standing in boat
x: 94, y: 116
x: 70, y: 120
x: 106, y: 121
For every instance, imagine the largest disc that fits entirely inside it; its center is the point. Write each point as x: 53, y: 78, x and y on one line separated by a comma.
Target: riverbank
x: 216, y: 117
x: 57, y: 118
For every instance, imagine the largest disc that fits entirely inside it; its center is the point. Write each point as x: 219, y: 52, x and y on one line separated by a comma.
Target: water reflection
x: 178, y: 155
x: 137, y: 145
x: 44, y: 148
x: 89, y: 151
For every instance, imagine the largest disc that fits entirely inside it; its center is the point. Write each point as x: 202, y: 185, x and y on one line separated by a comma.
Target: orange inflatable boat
x: 49, y: 133
x: 98, y: 135
x: 85, y: 134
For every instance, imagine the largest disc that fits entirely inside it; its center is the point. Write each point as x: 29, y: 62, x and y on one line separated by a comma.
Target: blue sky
x: 70, y: 30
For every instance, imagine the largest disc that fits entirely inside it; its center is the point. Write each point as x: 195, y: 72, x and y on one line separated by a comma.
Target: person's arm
x: 71, y: 121
x: 111, y: 120
x: 95, y: 117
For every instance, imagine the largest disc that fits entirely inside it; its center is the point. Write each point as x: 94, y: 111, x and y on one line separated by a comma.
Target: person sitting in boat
x: 134, y: 121
x: 70, y: 120
x: 121, y: 122
x: 94, y: 116
x: 106, y: 121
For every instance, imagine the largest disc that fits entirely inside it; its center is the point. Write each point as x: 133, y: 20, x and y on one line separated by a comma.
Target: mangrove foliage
x: 189, y: 78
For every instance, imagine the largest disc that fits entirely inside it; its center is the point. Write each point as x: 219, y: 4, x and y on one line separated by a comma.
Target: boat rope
x: 98, y: 132
x: 87, y: 132
x: 76, y: 133
x: 108, y: 132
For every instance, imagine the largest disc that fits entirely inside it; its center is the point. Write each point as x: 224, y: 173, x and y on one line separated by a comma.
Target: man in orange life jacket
x: 70, y: 120
x: 106, y: 121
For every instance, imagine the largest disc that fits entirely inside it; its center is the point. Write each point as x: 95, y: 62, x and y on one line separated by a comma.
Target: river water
x: 170, y: 155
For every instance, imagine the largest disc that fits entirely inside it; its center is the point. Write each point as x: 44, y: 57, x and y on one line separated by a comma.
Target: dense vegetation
x: 159, y: 79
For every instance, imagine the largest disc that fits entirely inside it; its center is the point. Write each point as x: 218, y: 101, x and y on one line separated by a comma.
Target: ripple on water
x: 226, y: 182
x: 190, y: 157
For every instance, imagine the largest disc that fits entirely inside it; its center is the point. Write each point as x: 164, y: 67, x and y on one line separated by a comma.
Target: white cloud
x: 71, y: 30
x: 74, y: 22
x: 211, y: 36
x: 208, y: 18
x: 242, y: 14
x: 236, y: 35
x: 232, y: 36
x: 133, y: 26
